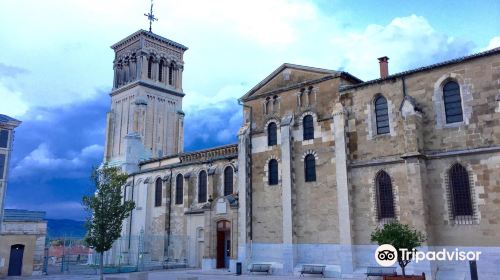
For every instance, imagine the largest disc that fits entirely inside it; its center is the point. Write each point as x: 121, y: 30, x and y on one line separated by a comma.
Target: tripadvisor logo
x: 387, y: 255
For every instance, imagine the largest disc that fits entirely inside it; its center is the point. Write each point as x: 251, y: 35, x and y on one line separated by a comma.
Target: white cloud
x: 494, y: 43
x: 42, y: 159
x: 407, y: 41
x: 232, y: 44
x: 12, y: 103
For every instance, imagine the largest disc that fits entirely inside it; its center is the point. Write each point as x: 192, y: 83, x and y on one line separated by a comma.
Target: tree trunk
x: 402, y: 269
x: 101, y: 266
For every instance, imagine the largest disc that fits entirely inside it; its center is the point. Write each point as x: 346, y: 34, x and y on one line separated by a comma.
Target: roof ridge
x: 427, y: 67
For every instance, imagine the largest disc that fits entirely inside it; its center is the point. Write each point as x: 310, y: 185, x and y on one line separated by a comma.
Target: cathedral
x: 322, y: 159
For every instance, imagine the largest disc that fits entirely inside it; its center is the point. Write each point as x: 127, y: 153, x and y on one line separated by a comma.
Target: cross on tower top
x: 151, y: 17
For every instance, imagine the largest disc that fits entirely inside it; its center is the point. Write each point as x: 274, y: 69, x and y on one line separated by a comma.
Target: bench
x: 313, y: 269
x: 380, y: 271
x: 260, y: 267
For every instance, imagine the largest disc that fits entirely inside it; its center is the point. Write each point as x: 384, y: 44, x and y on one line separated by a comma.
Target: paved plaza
x: 172, y: 275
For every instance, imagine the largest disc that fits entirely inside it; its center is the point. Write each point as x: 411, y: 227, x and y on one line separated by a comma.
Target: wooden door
x: 221, y: 236
x: 16, y: 260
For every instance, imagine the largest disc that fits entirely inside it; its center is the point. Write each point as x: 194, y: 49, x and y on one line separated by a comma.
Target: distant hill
x: 65, y: 228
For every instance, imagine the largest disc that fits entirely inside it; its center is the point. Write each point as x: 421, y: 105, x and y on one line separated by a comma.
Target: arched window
x: 460, y: 191
x: 308, y: 126
x: 452, y: 102
x: 381, y: 115
x: 385, y: 198
x: 310, y: 168
x: 171, y: 74
x: 309, y: 95
x: 267, y: 105
x: 202, y: 187
x: 275, y: 103
x: 158, y: 187
x: 150, y: 67
x: 273, y: 172
x: 160, y: 71
x: 272, y: 137
x: 228, y: 180
x: 179, y: 189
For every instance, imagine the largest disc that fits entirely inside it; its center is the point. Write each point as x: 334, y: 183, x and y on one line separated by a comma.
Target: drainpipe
x: 404, y: 86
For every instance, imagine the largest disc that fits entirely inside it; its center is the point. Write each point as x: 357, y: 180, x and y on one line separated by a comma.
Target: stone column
x: 343, y: 201
x: 243, y: 210
x: 139, y: 65
x: 143, y: 74
x: 286, y: 186
x: 181, y: 69
x: 126, y: 72
x: 133, y: 69
x: 115, y: 78
x: 176, y: 77
x: 180, y: 131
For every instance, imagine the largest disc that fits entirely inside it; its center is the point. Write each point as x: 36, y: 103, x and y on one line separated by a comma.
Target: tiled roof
x: 426, y: 68
x: 19, y: 215
x: 151, y: 35
x: 5, y: 119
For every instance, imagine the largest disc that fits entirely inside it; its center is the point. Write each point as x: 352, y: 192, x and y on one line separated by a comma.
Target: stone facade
x: 332, y: 218
x: 26, y: 229
x: 21, y: 231
x: 146, y: 118
x: 7, y: 126
x: 288, y: 218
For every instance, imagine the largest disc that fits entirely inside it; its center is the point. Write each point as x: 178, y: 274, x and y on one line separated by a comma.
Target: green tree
x: 106, y: 210
x: 400, y: 236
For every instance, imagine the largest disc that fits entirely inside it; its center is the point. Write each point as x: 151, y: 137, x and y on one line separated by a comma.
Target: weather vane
x: 151, y: 17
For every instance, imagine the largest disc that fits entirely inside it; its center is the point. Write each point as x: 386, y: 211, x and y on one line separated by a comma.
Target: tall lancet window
x: 272, y: 134
x: 273, y: 172
x: 385, y: 198
x: 452, y: 102
x: 202, y: 187
x: 382, y: 115
x: 179, y: 189
x: 150, y: 67
x: 228, y: 180
x: 308, y: 127
x: 160, y: 71
x: 158, y: 191
x: 171, y: 74
x: 310, y: 168
x: 460, y: 192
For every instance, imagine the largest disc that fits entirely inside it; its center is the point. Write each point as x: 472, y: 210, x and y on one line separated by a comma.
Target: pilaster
x: 180, y: 134
x: 243, y: 195
x: 414, y: 162
x: 286, y: 186
x: 343, y: 200
x: 134, y: 150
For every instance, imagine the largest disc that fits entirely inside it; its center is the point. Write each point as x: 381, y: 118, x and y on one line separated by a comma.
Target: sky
x: 56, y: 67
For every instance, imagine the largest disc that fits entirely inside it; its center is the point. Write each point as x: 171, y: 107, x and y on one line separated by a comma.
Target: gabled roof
x: 327, y: 72
x: 9, y: 121
x: 20, y: 215
x: 151, y: 35
x: 426, y: 68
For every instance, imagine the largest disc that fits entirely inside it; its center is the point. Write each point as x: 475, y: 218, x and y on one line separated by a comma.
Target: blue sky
x: 56, y: 67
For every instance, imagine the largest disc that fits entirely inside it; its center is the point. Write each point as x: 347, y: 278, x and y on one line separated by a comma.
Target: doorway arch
x: 223, y: 244
x: 16, y: 260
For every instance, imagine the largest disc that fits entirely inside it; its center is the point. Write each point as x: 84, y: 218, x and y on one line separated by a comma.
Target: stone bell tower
x: 146, y: 118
